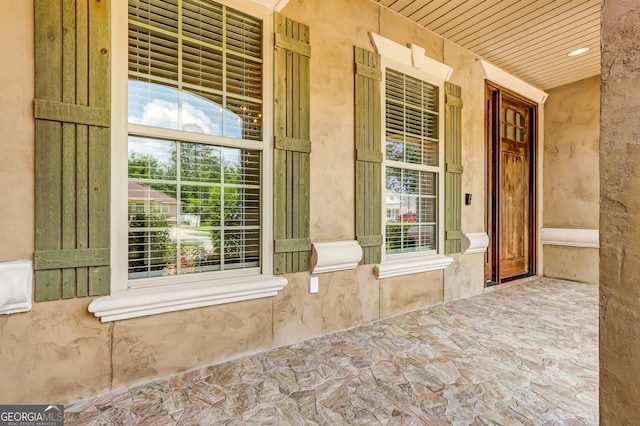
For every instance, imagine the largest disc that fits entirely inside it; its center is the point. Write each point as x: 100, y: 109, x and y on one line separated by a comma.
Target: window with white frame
x: 195, y: 139
x: 413, y: 169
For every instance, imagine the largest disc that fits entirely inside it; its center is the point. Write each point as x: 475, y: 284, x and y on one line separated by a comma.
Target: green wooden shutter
x: 292, y: 246
x: 72, y: 49
x: 368, y: 154
x: 453, y: 174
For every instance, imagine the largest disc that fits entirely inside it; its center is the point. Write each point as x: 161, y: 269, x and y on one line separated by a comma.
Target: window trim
x: 387, y: 63
x: 189, y: 290
x: 411, y: 61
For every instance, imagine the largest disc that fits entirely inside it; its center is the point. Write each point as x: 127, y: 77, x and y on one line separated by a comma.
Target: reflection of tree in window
x: 411, y: 156
x: 194, y: 68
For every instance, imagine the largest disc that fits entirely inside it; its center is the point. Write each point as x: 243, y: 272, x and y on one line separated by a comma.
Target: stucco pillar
x: 620, y: 214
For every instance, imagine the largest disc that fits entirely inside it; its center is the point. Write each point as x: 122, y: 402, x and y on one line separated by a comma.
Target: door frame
x: 493, y: 97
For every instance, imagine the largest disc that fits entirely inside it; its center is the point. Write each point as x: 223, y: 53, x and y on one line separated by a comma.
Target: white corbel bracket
x: 475, y: 243
x: 335, y: 256
x: 16, y: 286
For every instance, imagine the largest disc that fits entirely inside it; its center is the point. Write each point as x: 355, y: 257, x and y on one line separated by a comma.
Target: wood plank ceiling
x: 527, y: 38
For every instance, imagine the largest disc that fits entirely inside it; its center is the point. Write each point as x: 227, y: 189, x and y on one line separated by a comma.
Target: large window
x: 195, y: 132
x: 412, y: 166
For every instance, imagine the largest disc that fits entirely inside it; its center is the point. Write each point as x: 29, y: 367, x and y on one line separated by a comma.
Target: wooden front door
x: 511, y: 202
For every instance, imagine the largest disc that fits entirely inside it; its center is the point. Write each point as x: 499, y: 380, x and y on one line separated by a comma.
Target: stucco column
x: 620, y: 214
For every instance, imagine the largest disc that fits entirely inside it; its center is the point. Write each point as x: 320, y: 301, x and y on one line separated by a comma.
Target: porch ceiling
x: 527, y: 38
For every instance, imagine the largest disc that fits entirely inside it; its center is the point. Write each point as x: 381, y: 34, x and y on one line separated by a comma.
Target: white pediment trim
x: 411, y: 56
x: 275, y: 5
x: 511, y: 82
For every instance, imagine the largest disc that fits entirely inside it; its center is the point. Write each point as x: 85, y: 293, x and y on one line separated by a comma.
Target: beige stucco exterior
x: 620, y: 215
x: 59, y: 352
x: 571, y: 176
x: 16, y: 121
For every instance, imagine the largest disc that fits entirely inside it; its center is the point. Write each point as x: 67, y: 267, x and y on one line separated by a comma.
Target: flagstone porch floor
x: 523, y: 354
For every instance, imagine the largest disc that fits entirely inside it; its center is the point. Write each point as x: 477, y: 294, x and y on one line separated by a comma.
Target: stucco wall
x: 620, y: 214
x: 16, y: 122
x: 571, y: 143
x: 59, y: 352
x: 465, y: 276
x: 571, y: 175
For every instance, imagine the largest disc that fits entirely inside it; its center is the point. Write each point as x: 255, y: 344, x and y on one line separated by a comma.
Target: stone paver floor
x: 525, y: 354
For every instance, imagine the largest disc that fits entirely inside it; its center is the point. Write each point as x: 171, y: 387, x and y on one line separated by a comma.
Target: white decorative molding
x: 16, y: 286
x: 392, y: 50
x: 426, y: 64
x: 413, y: 56
x: 142, y: 302
x: 503, y: 78
x: 588, y: 238
x: 475, y: 243
x: 335, y: 256
x: 276, y: 5
x: 396, y: 268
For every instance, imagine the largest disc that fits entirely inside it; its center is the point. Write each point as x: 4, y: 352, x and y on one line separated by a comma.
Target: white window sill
x: 411, y: 266
x: 151, y: 301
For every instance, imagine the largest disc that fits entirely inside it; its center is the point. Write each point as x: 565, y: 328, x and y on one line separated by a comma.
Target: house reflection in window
x: 157, y: 105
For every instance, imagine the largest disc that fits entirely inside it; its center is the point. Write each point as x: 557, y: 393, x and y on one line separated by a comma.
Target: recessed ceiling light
x: 578, y: 51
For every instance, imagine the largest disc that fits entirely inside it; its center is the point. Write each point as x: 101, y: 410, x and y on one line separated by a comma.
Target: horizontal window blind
x: 194, y: 66
x: 411, y: 119
x: 192, y: 208
x: 412, y: 161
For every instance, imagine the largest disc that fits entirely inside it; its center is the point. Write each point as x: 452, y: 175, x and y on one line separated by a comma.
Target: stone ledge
x: 588, y: 238
x: 411, y: 266
x: 151, y: 301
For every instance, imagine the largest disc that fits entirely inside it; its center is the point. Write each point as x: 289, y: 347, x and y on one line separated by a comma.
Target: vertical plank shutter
x: 72, y: 84
x: 368, y: 154
x: 292, y: 145
x: 453, y: 173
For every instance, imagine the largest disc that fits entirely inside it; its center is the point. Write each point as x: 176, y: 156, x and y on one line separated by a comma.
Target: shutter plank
x: 48, y: 208
x: 290, y: 215
x: 304, y: 259
x: 368, y: 154
x: 58, y: 259
x: 48, y: 158
x: 99, y: 55
x: 82, y: 200
x: 99, y: 190
x: 48, y: 50
x: 279, y: 206
x: 70, y: 113
x: 99, y: 145
x: 292, y: 145
x: 68, y: 204
x: 72, y: 155
x: 68, y: 144
x: 291, y: 245
x: 82, y: 143
x: 453, y: 171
